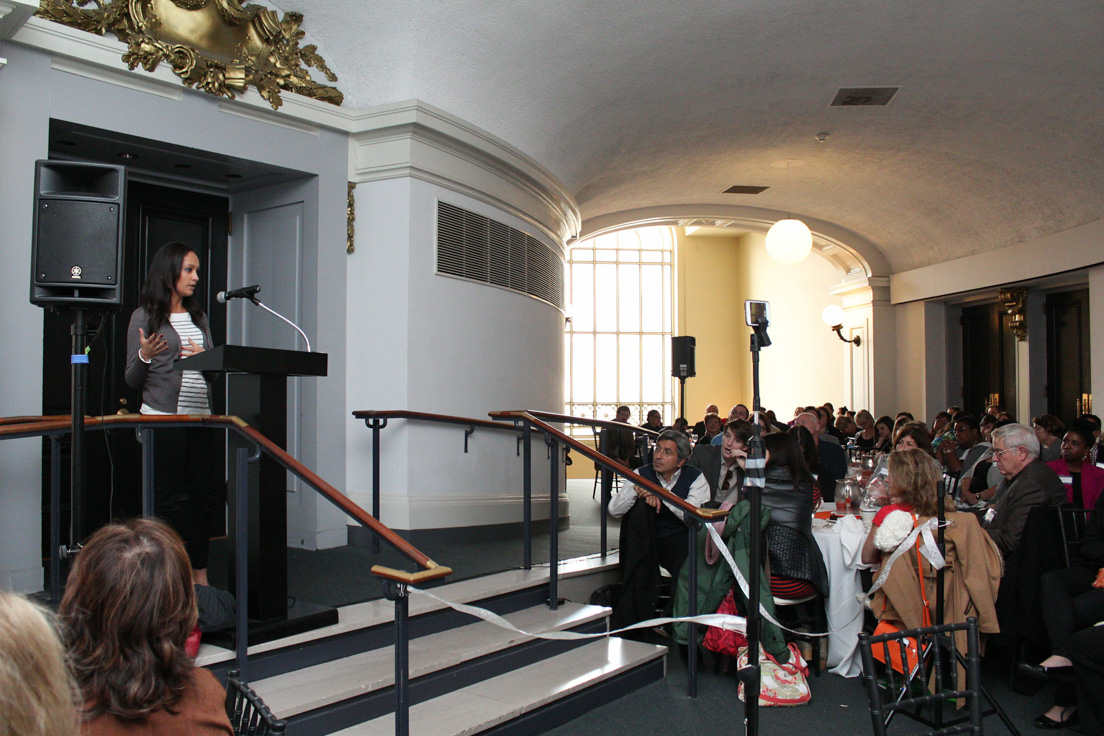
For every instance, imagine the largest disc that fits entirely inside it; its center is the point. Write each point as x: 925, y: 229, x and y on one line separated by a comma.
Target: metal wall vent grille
x: 475, y: 247
x: 863, y: 96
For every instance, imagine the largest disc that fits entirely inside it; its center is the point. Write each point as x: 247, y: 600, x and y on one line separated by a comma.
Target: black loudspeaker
x: 682, y: 357
x: 77, y: 246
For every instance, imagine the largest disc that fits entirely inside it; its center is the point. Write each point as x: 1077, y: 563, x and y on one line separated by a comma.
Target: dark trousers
x: 1087, y: 653
x: 185, y: 482
x: 1071, y: 604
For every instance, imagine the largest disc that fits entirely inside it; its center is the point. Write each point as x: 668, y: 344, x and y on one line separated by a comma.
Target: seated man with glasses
x: 1029, y: 483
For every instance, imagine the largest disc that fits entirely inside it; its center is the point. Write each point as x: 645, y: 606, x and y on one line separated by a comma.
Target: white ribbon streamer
x: 723, y: 549
x: 929, y: 549
x: 720, y: 620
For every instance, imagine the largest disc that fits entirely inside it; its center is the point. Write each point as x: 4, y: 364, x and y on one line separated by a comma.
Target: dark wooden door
x: 155, y: 215
x: 988, y: 359
x: 1068, y: 354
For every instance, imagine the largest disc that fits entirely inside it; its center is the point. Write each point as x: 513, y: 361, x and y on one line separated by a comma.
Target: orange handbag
x: 885, y: 627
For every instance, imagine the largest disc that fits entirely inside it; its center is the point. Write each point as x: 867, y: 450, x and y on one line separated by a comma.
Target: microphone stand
x: 257, y: 301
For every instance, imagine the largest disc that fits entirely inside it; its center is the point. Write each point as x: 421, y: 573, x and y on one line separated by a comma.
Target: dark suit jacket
x: 1036, y: 485
x: 833, y: 466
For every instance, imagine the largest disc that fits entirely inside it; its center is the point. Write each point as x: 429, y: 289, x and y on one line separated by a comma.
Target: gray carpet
x: 838, y: 706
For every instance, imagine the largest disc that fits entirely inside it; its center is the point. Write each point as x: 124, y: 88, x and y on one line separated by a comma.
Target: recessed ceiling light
x: 745, y: 189
x: 127, y: 156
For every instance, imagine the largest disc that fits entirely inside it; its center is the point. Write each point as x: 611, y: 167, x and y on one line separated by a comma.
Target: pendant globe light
x: 789, y: 241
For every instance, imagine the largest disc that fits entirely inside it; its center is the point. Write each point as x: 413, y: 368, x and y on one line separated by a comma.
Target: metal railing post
x: 377, y: 425
x: 692, y: 610
x: 146, y: 436
x: 554, y: 524
x: 527, y: 494
x: 241, y: 554
x: 398, y: 592
x: 55, y: 519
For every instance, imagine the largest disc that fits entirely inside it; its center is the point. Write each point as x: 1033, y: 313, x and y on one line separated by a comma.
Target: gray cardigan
x: 157, y: 381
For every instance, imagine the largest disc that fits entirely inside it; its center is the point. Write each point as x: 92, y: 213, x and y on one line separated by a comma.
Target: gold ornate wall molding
x: 350, y: 218
x: 218, y: 46
x: 1013, y: 302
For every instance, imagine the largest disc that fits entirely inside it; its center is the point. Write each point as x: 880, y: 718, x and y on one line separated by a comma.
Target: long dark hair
x: 808, y: 447
x: 160, y: 285
x: 128, y: 608
x: 785, y: 453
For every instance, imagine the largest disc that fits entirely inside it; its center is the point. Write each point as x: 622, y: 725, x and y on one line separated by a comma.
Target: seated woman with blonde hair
x: 973, y: 561
x: 128, y: 608
x: 37, y: 695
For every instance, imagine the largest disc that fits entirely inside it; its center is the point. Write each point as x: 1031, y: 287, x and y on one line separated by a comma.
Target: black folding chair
x: 914, y: 692
x: 249, y: 716
x: 1072, y: 522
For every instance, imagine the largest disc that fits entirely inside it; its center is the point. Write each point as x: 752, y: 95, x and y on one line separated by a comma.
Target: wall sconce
x: 833, y: 317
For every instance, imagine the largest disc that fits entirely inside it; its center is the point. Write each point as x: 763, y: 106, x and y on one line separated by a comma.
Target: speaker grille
x: 77, y: 243
x: 471, y: 246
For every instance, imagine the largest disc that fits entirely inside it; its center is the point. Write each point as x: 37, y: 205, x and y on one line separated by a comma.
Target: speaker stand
x: 78, y: 363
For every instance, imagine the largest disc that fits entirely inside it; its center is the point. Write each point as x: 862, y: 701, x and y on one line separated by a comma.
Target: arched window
x: 618, y: 341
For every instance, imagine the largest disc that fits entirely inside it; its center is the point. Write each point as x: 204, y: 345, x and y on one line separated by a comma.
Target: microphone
x: 246, y: 292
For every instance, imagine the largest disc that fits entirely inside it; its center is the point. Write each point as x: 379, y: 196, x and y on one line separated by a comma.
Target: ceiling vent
x: 471, y: 246
x: 863, y: 96
x: 745, y: 189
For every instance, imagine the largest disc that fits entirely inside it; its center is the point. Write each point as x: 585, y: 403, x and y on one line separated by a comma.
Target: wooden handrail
x: 367, y: 414
x: 548, y: 416
x: 47, y: 425
x: 653, y: 488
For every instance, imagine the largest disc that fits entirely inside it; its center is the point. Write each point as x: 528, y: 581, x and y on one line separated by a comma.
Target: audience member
x: 738, y: 413
x: 1072, y: 603
x: 1049, y: 429
x: 812, y: 461
x: 987, y: 424
x: 833, y: 460
x: 653, y: 532
x: 37, y: 694
x: 796, y: 566
x: 960, y: 454
x: 883, y: 434
x: 828, y: 431
x: 654, y: 420
x: 941, y: 429
x: 681, y: 425
x: 723, y: 465
x: 864, y: 438
x: 973, y: 570
x: 713, y: 428
x: 699, y: 428
x: 128, y: 608
x: 914, y: 436
x: 1083, y: 480
x: 620, y: 444
x: 1029, y: 483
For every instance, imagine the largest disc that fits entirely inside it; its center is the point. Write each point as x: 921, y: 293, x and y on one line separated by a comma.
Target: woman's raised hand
x: 151, y: 346
x: 190, y: 349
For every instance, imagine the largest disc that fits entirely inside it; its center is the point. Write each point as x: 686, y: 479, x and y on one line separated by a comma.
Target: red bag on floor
x: 723, y: 641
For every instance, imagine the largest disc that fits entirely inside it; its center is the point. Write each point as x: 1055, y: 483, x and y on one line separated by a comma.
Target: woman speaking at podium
x: 169, y: 325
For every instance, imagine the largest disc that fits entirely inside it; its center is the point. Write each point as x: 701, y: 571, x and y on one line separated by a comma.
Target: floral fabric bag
x: 780, y: 684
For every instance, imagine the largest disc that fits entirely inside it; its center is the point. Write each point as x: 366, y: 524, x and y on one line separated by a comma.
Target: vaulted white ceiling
x: 994, y: 138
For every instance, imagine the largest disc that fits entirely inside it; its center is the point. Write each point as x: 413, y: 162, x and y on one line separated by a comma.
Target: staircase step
x: 499, y: 700
x: 322, y: 685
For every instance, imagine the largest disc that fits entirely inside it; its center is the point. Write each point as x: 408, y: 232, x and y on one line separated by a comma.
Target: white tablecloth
x: 841, y: 545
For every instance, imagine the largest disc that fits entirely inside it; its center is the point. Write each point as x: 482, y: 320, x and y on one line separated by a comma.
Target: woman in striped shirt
x: 170, y: 324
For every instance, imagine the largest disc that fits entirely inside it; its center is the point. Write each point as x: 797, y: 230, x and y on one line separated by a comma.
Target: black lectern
x: 257, y: 393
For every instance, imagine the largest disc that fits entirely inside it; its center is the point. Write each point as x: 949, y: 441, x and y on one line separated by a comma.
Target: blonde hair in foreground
x: 37, y: 694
